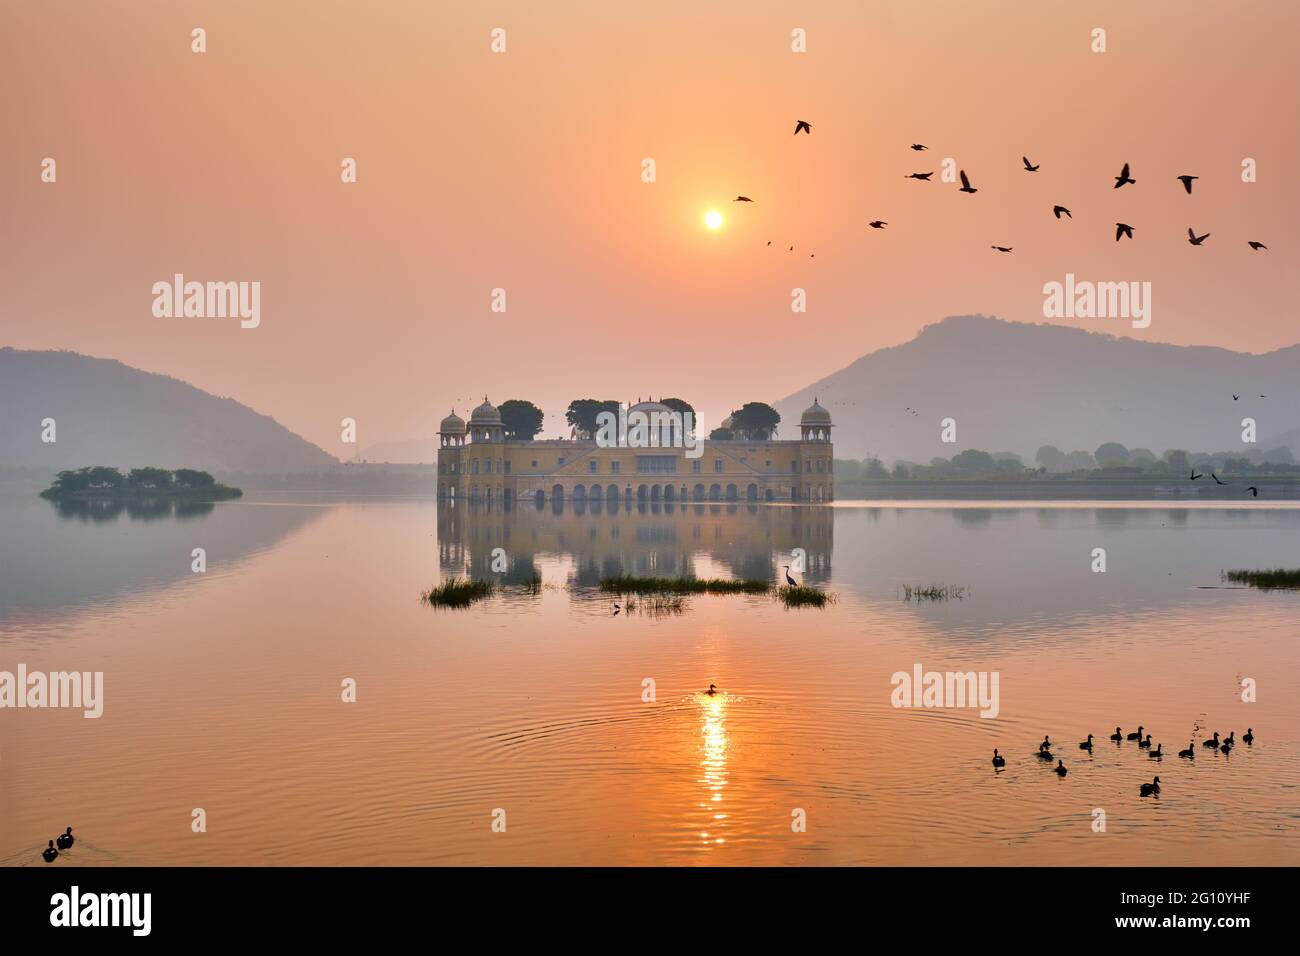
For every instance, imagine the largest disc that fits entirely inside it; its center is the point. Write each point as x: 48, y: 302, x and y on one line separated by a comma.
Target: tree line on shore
x: 1111, y: 459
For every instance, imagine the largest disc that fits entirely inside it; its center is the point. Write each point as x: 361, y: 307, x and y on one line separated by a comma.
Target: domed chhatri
x: 485, y: 423
x: 815, y: 423
x: 451, y: 431
x: 485, y: 414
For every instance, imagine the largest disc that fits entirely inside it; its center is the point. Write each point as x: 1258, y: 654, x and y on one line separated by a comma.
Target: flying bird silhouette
x: 918, y: 147
x: 966, y: 187
x: 1057, y: 210
x: 802, y: 125
x: 1194, y: 239
x: 1001, y: 248
x: 1216, y: 479
x: 742, y: 199
x: 1123, y: 229
x: 1029, y: 167
x: 1235, y: 396
x: 1187, y: 182
x: 878, y: 224
x: 1254, y: 492
x: 1195, y: 475
x: 922, y: 176
x: 1256, y: 245
x: 1123, y: 178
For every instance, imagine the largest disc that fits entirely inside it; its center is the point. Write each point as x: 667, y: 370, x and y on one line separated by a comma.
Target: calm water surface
x: 223, y: 689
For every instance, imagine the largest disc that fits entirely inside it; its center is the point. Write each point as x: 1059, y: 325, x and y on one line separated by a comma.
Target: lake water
x: 223, y: 689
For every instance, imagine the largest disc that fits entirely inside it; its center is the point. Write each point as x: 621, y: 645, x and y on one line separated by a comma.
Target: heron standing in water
x: 789, y: 580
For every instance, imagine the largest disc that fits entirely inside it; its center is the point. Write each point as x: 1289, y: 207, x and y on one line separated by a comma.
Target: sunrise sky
x: 522, y: 171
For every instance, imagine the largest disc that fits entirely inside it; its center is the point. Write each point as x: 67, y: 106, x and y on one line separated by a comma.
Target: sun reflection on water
x: 713, y: 760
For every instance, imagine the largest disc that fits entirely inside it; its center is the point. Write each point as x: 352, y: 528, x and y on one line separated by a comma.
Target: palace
x: 478, y: 463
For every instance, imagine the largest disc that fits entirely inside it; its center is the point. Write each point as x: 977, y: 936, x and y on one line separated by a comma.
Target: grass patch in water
x: 801, y: 595
x: 933, y: 592
x: 628, y: 584
x: 455, y: 593
x: 1265, y: 580
x: 655, y: 605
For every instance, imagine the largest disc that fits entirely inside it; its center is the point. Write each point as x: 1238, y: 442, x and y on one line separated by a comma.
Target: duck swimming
x: 66, y: 840
x: 1046, y: 755
x: 1060, y: 769
x: 1147, y: 789
x: 1138, y: 735
x: 1158, y: 752
x: 1145, y: 743
x: 49, y: 853
x: 999, y: 761
x: 713, y: 689
x: 1212, y: 743
x: 1087, y: 744
x: 1190, y: 752
x: 1046, y: 744
x: 1117, y: 735
x: 1249, y: 736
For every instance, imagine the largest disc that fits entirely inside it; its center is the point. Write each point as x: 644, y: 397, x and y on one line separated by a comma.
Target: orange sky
x: 522, y: 171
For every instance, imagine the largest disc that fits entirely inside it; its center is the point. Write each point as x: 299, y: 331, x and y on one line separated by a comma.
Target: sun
x: 713, y: 219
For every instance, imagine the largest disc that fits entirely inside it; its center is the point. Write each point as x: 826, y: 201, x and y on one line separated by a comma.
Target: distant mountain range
x: 1009, y: 386
x: 107, y: 413
x: 1013, y: 386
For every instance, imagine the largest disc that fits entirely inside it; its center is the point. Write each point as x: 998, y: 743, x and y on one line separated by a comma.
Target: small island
x: 108, y: 484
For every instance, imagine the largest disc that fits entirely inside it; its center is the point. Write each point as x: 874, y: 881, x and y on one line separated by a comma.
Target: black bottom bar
x: 370, y: 905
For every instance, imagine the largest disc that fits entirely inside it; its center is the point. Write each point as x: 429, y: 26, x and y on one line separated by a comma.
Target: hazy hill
x: 108, y: 413
x: 1014, y: 386
x: 414, y: 451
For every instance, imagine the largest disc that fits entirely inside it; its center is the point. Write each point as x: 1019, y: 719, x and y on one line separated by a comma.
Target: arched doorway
x: 557, y: 493
x: 715, y: 492
x: 539, y: 497
x: 654, y: 492
x: 768, y: 495
x: 611, y: 493
x: 699, y: 492
x: 579, y: 493
x: 642, y: 492
x: 670, y: 493
x: 732, y: 493
x: 594, y: 494
x: 751, y: 493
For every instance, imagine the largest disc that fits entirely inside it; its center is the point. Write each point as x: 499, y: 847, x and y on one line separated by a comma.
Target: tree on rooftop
x: 582, y: 415
x: 520, y: 420
x: 756, y: 421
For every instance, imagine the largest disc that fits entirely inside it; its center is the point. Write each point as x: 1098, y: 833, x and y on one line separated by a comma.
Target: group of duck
x: 1147, y: 789
x: 65, y: 843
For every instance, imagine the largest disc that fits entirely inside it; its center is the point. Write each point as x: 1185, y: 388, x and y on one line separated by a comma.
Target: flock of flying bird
x: 1122, y: 229
x: 1146, y: 789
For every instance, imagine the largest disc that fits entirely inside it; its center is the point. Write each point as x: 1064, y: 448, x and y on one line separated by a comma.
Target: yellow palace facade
x: 477, y: 463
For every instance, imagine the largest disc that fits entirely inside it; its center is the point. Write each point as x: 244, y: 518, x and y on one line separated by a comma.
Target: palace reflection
x: 604, y: 539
